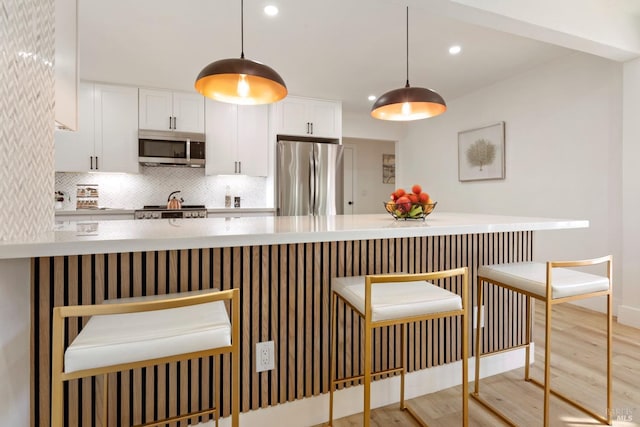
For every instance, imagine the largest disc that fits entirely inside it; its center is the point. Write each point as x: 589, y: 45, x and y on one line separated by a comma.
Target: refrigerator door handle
x: 312, y: 183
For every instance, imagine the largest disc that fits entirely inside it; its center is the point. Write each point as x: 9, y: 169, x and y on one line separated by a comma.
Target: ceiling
x: 332, y: 49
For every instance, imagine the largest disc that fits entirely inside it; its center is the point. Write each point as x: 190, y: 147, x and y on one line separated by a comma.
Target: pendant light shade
x: 408, y: 103
x: 240, y: 80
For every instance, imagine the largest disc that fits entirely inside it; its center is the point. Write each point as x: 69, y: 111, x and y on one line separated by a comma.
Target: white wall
x: 368, y: 189
x: 359, y: 125
x: 362, y: 130
x: 630, y: 309
x: 563, y: 154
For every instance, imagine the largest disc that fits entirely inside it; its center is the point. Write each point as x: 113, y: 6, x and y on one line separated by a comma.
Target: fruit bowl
x: 409, y: 210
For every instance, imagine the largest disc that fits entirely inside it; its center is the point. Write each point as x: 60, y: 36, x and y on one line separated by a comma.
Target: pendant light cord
x: 407, y: 85
x: 242, y: 28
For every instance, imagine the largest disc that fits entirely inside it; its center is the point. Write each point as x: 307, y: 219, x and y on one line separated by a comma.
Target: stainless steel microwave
x: 171, y: 148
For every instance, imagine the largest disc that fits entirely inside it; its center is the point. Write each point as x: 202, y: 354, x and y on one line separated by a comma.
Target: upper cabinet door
x: 66, y: 64
x: 253, y: 139
x: 188, y: 112
x: 222, y: 136
x: 237, y: 139
x: 293, y: 119
x: 107, y: 136
x: 116, y: 128
x: 308, y: 117
x: 325, y: 118
x: 168, y: 110
x: 156, y: 109
x: 74, y: 150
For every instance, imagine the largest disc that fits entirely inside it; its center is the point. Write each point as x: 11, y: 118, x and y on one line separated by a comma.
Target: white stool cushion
x: 132, y: 337
x: 532, y: 277
x: 396, y: 300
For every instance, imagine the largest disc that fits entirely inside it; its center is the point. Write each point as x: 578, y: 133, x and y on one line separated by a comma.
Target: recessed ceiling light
x: 271, y: 10
x: 455, y: 49
x: 372, y: 98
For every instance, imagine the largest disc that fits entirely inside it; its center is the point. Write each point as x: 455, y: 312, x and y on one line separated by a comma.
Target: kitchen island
x: 283, y: 267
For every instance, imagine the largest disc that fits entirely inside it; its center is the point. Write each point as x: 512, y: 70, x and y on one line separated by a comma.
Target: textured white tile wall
x: 27, y: 117
x: 153, y: 185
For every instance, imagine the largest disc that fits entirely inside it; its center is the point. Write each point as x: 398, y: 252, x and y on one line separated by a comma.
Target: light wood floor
x: 578, y: 363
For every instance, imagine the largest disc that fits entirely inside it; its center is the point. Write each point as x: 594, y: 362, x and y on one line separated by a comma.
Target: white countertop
x: 87, y: 237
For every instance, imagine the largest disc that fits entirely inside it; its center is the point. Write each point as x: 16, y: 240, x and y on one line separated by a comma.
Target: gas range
x: 161, y: 212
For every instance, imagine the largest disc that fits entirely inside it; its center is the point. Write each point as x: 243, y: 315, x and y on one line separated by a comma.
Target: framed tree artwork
x: 481, y: 153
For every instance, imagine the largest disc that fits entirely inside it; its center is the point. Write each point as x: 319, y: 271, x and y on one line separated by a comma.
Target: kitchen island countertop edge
x: 82, y: 237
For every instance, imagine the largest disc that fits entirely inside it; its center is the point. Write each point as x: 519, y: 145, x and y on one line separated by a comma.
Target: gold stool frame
x: 549, y: 303
x: 59, y: 376
x: 370, y: 325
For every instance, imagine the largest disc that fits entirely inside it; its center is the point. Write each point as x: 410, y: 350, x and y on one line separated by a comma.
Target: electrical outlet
x: 475, y: 316
x: 264, y: 356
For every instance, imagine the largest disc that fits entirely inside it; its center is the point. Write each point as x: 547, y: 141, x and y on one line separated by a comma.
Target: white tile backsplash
x: 27, y: 34
x: 153, y: 185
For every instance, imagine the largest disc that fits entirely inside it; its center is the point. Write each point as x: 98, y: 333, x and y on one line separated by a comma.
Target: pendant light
x: 408, y: 103
x: 241, y: 80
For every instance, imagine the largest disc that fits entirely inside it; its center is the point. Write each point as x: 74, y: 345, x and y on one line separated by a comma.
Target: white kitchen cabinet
x: 169, y: 110
x: 237, y: 139
x: 66, y: 64
x: 74, y: 151
x: 308, y: 117
x: 107, y: 137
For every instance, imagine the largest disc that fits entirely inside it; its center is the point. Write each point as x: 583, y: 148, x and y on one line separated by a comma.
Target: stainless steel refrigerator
x: 309, y: 176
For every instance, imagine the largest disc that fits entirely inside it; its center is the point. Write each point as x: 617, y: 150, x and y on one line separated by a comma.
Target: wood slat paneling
x: 285, y: 297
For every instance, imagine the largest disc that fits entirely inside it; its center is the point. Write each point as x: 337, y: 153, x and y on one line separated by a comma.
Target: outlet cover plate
x: 265, y: 356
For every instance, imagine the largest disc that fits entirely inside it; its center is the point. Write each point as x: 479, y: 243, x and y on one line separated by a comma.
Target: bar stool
x: 398, y: 299
x: 138, y: 332
x: 553, y: 283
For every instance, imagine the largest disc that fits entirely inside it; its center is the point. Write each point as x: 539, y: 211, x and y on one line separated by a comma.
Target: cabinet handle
x: 235, y: 167
x: 170, y: 123
x: 175, y: 126
x: 311, y: 128
x: 97, y: 163
x: 91, y: 162
x: 239, y: 167
x: 307, y: 128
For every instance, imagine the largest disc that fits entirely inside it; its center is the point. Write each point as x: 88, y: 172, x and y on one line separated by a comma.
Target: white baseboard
x: 315, y: 410
x: 628, y: 315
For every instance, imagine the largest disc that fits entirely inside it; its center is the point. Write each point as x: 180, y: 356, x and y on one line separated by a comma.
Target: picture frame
x: 481, y: 153
x: 388, y: 168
